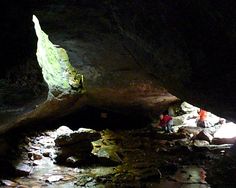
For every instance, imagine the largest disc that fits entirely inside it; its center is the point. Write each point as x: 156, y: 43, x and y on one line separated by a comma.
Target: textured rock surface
x: 188, y: 46
x: 77, y: 136
x: 61, y: 77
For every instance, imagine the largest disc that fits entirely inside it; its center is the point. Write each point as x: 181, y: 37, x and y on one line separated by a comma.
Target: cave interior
x: 83, y: 83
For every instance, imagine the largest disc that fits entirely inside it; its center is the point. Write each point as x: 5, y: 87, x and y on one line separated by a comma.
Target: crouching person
x: 166, y: 123
x: 202, y: 119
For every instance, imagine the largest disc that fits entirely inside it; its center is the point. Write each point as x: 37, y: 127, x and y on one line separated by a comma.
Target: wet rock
x: 123, y: 177
x: 47, y: 152
x: 77, y: 136
x: 190, y: 130
x: 23, y: 169
x: 63, y: 130
x: 46, y: 142
x: 80, y: 149
x: 83, y: 180
x: 34, y: 156
x: 200, y: 143
x: 219, y: 141
x: 182, y: 142
x: 75, y: 148
x: 37, y: 163
x: 103, y: 161
x: 72, y: 160
x: 35, y: 147
x: 191, y: 175
x: 204, y: 135
x: 109, y: 153
x: 54, y: 178
x: 188, y: 108
x: 149, y: 174
x: 9, y: 183
x: 179, y: 120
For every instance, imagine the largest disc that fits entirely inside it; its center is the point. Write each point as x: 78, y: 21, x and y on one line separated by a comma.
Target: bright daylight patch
x: 217, y: 125
x: 59, y: 74
x: 228, y: 130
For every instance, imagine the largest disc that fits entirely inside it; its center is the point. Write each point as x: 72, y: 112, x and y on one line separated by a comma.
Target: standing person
x: 166, y: 123
x: 202, y: 118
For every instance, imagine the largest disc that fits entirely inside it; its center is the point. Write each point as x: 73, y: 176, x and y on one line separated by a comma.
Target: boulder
x: 63, y: 130
x: 204, y: 135
x: 108, y: 156
x: 23, y: 169
x: 179, y: 120
x: 190, y: 130
x: 79, y: 149
x: 9, y: 183
x: 188, y: 108
x: 219, y: 141
x: 78, y: 136
x: 200, y: 143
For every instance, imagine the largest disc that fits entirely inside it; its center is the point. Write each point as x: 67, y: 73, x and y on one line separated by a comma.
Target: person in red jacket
x: 166, y: 123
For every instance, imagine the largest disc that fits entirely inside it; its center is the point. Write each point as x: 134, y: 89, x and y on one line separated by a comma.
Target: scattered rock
x: 188, y: 108
x: 23, y: 169
x: 200, y: 143
x: 72, y: 160
x: 54, y: 178
x: 190, y: 130
x: 82, y: 148
x: 179, y: 120
x: 219, y: 141
x: 83, y: 180
x: 63, y: 130
x: 9, y: 183
x: 47, y: 152
x: 182, y: 142
x: 34, y: 156
x: 81, y: 135
x: 204, y: 135
x: 109, y: 153
x: 149, y: 174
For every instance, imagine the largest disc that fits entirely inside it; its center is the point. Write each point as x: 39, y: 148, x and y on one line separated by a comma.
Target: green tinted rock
x: 57, y: 71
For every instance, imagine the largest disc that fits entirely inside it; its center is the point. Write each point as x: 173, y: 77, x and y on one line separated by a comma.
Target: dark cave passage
x: 84, y: 111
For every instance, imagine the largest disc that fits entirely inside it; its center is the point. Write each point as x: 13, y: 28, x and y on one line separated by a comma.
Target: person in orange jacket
x: 202, y: 118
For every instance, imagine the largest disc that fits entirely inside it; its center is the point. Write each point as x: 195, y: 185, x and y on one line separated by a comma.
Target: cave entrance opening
x: 211, y: 128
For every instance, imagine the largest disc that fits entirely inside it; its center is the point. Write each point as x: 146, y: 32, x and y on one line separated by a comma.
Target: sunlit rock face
x: 58, y: 73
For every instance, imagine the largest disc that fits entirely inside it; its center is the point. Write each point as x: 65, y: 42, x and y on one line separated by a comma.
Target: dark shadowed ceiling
x: 188, y: 46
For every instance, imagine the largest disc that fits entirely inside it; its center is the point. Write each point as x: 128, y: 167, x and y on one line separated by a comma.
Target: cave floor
x: 144, y: 158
